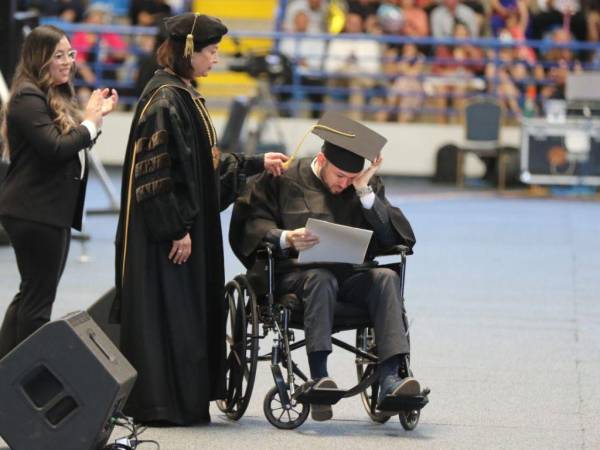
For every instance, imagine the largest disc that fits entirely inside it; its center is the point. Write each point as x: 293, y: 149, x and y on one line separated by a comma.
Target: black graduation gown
x: 285, y: 203
x: 172, y: 316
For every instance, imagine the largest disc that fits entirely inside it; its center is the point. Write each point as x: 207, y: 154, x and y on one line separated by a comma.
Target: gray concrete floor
x: 504, y: 297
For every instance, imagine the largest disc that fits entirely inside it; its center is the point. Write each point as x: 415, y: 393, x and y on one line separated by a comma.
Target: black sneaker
x: 321, y: 413
x: 396, y: 386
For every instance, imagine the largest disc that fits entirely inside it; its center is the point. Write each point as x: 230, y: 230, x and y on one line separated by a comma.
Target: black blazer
x: 44, y: 182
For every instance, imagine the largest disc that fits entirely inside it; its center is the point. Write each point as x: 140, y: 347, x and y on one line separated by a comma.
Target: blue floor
x: 503, y: 293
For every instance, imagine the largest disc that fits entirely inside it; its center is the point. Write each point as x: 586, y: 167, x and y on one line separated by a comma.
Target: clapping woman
x: 41, y: 199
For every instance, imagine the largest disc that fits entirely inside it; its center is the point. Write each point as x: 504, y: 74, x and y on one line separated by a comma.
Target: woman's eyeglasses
x: 69, y: 56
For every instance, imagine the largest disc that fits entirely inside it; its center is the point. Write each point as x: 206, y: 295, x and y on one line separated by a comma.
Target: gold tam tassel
x: 188, y: 51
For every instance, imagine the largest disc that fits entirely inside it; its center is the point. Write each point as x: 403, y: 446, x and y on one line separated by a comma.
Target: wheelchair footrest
x: 307, y: 394
x: 403, y: 403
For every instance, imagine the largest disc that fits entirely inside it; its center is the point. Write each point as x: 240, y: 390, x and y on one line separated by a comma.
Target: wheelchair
x: 251, y: 301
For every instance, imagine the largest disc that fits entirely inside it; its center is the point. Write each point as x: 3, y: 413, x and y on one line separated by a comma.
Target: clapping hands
x: 110, y: 98
x: 101, y: 103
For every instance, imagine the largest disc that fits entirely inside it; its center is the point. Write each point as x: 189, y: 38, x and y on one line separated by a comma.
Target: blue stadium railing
x: 294, y: 92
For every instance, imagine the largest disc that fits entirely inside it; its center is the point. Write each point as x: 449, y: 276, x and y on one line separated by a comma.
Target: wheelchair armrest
x: 395, y: 250
x: 265, y: 250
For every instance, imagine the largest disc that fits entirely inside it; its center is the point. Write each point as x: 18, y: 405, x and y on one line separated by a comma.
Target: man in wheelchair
x: 333, y: 187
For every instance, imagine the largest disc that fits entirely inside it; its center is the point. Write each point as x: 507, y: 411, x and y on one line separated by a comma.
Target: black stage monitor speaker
x: 100, y: 312
x: 60, y: 388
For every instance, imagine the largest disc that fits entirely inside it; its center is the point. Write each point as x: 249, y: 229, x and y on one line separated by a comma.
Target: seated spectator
x: 70, y: 10
x: 66, y: 10
x: 308, y: 54
x: 367, y: 10
x: 416, y: 22
x: 500, y: 11
x: 593, y: 26
x: 403, y: 63
x: 427, y: 5
x: 457, y: 67
x: 390, y: 17
x: 507, y: 75
x: 551, y: 75
x: 148, y: 13
x: 92, y: 48
x: 147, y: 63
x: 480, y: 8
x: 316, y: 10
x: 555, y: 14
x: 516, y: 24
x: 406, y: 93
x: 593, y: 15
x: 364, y: 8
x: 444, y: 17
x: 354, y: 64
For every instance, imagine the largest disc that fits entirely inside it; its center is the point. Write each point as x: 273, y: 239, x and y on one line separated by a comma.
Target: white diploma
x: 337, y: 243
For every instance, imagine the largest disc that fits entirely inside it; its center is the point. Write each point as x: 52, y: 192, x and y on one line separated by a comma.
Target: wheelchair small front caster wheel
x: 409, y: 419
x: 281, y: 417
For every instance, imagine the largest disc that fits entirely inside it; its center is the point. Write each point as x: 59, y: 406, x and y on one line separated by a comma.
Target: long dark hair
x: 170, y: 55
x: 36, y: 55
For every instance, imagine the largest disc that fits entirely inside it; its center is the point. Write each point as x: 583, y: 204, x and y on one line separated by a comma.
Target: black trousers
x: 378, y: 290
x: 41, y: 252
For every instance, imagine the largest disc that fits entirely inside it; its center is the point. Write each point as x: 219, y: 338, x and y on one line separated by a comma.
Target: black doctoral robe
x: 270, y: 205
x: 172, y: 316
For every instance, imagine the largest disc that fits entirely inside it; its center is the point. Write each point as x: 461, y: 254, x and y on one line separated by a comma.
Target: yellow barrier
x: 255, y: 45
x: 237, y: 9
x: 226, y: 84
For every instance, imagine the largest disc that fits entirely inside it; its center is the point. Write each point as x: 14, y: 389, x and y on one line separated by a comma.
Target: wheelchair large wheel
x: 242, y: 342
x: 365, y: 341
x: 279, y: 416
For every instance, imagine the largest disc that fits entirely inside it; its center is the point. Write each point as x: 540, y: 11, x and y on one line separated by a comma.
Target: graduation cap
x: 347, y: 142
x: 197, y: 30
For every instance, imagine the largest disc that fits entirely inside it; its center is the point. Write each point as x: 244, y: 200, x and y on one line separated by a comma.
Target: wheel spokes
x: 242, y: 350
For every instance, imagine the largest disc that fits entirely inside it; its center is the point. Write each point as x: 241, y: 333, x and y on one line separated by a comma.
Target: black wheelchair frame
x: 287, y: 405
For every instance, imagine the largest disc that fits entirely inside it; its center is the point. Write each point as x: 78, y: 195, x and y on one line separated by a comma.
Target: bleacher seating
x: 432, y: 75
x: 238, y: 15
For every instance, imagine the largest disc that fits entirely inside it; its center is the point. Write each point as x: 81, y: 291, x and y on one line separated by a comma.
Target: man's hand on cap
x: 362, y: 179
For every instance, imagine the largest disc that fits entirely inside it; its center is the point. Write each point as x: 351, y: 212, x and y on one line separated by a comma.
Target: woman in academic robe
x: 169, y: 255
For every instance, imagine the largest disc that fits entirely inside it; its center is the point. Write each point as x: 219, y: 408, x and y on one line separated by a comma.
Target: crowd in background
x: 108, y: 58
x: 397, y: 81
x: 378, y: 80
x: 133, y: 12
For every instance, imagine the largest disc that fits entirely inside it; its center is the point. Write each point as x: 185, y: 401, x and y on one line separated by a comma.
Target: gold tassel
x: 189, y: 46
x: 188, y: 51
